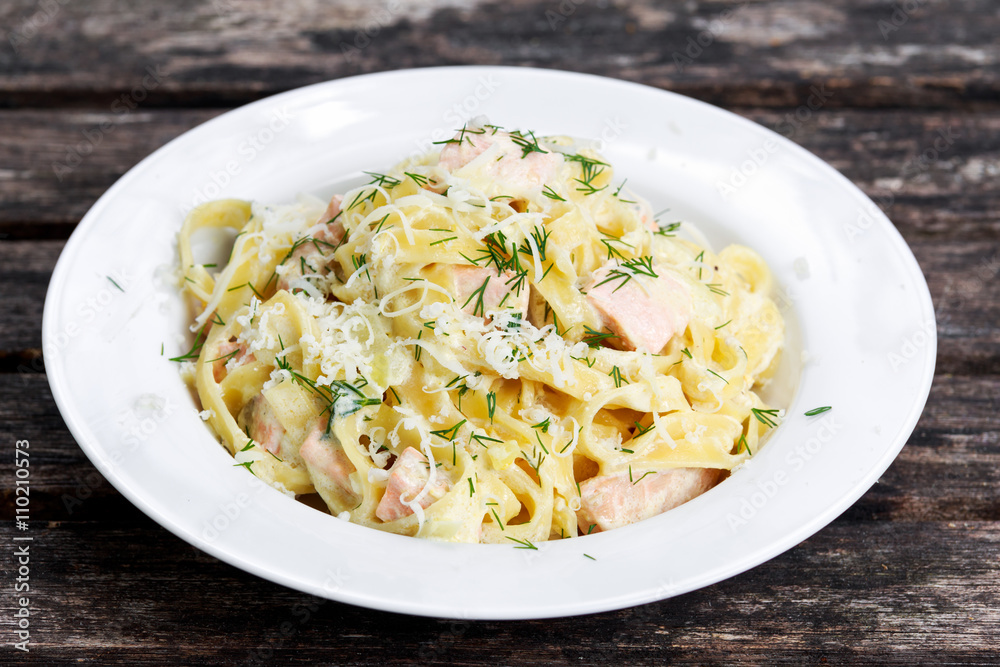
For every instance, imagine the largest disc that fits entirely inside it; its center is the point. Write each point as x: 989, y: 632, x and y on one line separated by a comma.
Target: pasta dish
x: 495, y: 342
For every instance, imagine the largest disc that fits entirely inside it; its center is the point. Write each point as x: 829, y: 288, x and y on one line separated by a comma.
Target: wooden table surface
x: 909, y: 575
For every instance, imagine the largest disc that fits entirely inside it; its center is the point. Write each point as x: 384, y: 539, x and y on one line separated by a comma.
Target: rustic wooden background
x: 909, y: 575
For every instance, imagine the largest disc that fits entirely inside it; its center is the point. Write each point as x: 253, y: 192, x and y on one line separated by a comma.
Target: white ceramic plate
x: 861, y: 324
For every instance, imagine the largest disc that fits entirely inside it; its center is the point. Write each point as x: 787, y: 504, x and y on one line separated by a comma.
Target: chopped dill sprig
x: 384, y: 180
x: 418, y: 179
x: 361, y: 260
x: 380, y: 223
x: 496, y: 516
x: 517, y: 282
x: 483, y: 439
x: 541, y: 239
x: 458, y: 383
x: 535, y: 464
x: 252, y: 289
x: 648, y: 472
x: 449, y: 433
x: 195, y: 351
x: 480, y: 307
x: 524, y: 544
x: 766, y: 417
x: 595, y: 338
x: 670, y: 230
x: 700, y: 258
x: 552, y: 194
x: 491, y: 404
x: 629, y: 269
x: 616, y: 375
x: 617, y: 193
x: 590, y: 169
x: 818, y: 411
x: 461, y: 136
x: 226, y: 357
x: 613, y: 252
x: 526, y: 142
x: 395, y: 395
x: 717, y: 375
x: 642, y: 430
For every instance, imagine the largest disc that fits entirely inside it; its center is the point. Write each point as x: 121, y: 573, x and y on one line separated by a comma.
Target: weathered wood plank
x: 948, y: 471
x: 25, y: 269
x: 935, y: 173
x: 56, y: 164
x: 964, y: 280
x: 766, y: 53
x: 908, y: 575
x: 905, y: 593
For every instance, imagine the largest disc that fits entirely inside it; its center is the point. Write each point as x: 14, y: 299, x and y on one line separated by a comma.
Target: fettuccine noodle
x: 489, y: 343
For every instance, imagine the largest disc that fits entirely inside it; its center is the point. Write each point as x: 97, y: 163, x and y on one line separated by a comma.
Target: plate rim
x: 78, y: 428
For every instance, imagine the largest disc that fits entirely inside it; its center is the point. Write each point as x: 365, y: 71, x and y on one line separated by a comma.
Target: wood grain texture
x: 908, y: 575
x: 55, y: 164
x: 25, y: 269
x: 936, y: 174
x: 761, y: 53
